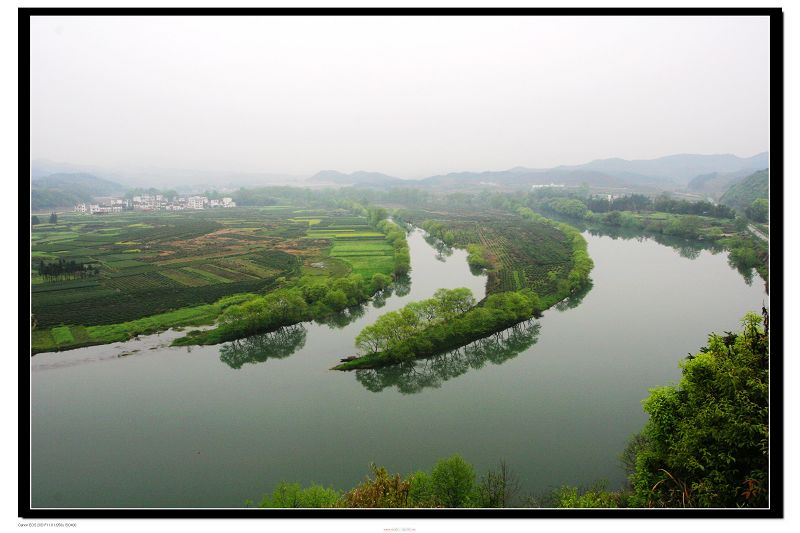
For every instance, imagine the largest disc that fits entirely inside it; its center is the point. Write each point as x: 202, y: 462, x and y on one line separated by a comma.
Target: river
x: 141, y: 424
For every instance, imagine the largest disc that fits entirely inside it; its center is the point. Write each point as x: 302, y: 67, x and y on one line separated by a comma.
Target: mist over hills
x: 708, y: 175
x: 356, y: 178
x: 664, y: 173
x: 67, y: 189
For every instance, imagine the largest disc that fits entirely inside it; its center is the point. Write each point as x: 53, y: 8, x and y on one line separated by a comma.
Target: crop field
x: 523, y: 253
x: 145, y: 264
x: 356, y: 244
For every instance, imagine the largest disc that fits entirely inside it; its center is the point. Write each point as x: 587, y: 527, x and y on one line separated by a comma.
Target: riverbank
x: 497, y: 312
x: 330, y: 283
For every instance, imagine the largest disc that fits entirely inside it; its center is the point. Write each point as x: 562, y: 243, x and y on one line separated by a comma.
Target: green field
x: 364, y: 250
x: 153, y: 265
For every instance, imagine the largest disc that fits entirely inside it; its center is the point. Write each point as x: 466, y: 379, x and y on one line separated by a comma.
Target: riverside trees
x: 448, y: 320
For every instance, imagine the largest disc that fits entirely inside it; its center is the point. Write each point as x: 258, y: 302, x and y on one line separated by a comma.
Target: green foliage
x: 420, y: 490
x: 292, y: 495
x: 707, y: 438
x: 393, y: 329
x: 594, y: 497
x: 447, y: 321
x: 568, y: 206
x: 380, y: 281
x: 34, y: 220
x: 477, y: 256
x: 759, y: 210
x: 742, y: 193
x: 453, y: 482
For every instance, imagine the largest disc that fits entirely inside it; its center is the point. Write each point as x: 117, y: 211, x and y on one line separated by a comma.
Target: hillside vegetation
x: 66, y: 190
x: 742, y: 194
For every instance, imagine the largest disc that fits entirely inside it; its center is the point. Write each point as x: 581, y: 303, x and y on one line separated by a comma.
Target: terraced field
x: 355, y: 243
x: 155, y: 263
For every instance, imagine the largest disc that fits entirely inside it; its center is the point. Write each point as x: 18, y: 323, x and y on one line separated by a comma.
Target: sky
x: 407, y: 96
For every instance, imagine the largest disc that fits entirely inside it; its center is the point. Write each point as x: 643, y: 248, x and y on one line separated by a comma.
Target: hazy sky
x: 406, y: 96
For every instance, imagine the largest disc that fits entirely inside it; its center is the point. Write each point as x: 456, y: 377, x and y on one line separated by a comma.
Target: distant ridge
x: 79, y: 182
x: 669, y: 172
x: 67, y: 189
x: 356, y: 178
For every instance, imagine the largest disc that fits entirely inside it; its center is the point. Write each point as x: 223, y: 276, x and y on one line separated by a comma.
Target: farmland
x: 151, y: 271
x: 520, y: 252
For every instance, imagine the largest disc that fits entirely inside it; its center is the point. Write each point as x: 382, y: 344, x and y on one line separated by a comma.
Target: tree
x: 34, y: 220
x: 292, y: 495
x: 453, y: 482
x: 707, y: 439
x: 335, y: 299
x: 758, y: 210
x: 498, y: 488
x: 420, y: 490
x: 380, y: 281
x: 613, y: 218
x: 53, y: 218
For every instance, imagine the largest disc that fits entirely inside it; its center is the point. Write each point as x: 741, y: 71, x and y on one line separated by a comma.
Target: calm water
x: 139, y: 424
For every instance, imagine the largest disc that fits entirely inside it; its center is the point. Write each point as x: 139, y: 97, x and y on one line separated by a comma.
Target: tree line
x: 449, y: 320
x: 451, y: 483
x: 64, y: 270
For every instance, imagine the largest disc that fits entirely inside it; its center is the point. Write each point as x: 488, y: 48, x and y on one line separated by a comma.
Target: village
x: 152, y: 202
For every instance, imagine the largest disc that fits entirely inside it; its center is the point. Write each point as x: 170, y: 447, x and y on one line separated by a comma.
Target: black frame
x: 776, y: 474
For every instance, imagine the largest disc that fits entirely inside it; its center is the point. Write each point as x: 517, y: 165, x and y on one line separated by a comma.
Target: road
x: 757, y: 233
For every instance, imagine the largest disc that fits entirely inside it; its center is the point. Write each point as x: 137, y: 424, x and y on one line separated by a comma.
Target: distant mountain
x: 90, y: 183
x: 521, y: 177
x: 665, y: 173
x: 716, y: 183
x: 64, y: 190
x: 46, y: 167
x: 356, y: 178
x: 678, y: 169
x: 742, y: 193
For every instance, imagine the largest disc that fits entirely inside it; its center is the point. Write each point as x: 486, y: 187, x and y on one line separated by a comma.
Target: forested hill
x: 742, y: 193
x: 61, y: 190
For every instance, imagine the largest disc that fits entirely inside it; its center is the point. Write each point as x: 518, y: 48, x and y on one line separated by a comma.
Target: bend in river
x: 213, y: 426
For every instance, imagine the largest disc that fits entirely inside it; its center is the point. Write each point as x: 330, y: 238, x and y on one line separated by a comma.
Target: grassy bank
x: 70, y: 337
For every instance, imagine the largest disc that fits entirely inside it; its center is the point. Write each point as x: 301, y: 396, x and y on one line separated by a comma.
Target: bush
x: 292, y: 495
x: 453, y: 482
x: 707, y: 438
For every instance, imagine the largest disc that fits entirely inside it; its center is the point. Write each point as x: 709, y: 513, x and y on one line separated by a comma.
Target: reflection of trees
x: 401, y: 285
x: 743, y: 269
x: 414, y: 376
x: 379, y: 300
x: 343, y: 318
x: 573, y: 300
x: 442, y: 250
x: 688, y: 248
x: 258, y: 348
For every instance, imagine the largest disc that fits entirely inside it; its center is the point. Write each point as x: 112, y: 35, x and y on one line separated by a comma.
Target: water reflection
x: 258, y: 348
x: 687, y: 248
x: 343, y: 318
x: 442, y: 250
x: 401, y: 285
x: 415, y: 376
x: 573, y: 300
